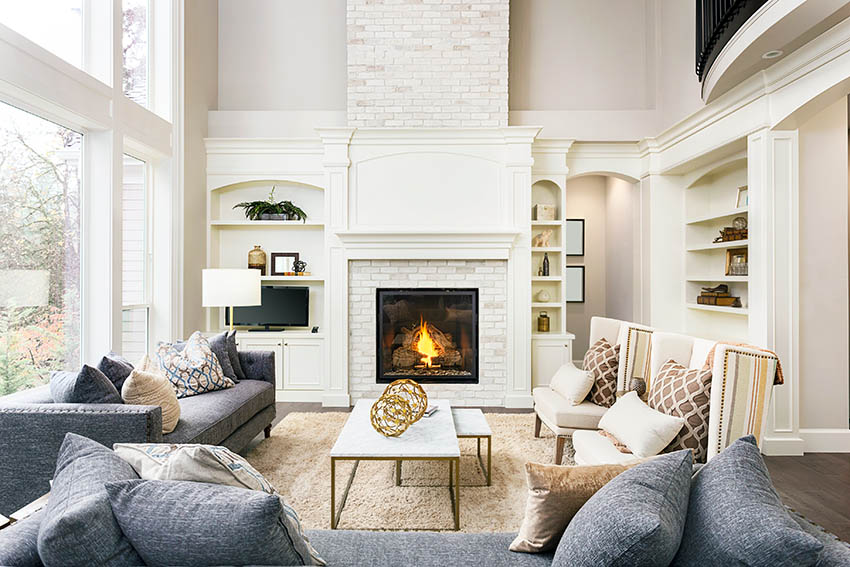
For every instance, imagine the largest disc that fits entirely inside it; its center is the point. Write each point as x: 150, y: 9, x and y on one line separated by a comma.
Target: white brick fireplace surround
x: 488, y: 276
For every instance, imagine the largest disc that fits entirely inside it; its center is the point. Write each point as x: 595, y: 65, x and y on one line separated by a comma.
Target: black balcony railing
x: 717, y: 21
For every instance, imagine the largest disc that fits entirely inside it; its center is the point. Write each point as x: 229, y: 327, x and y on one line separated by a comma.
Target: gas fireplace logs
x: 426, y: 346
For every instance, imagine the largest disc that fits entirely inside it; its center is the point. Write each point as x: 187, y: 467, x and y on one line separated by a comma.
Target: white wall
x: 620, y: 248
x: 678, y: 89
x: 200, y: 96
x: 823, y: 229
x: 281, y: 55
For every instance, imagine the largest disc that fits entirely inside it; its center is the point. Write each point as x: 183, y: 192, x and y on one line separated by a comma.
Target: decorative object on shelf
x: 412, y: 392
x: 574, y: 237
x: 574, y: 279
x: 731, y: 234
x: 543, y: 322
x: 720, y: 288
x: 737, y: 261
x: 545, y: 264
x: 283, y: 263
x: 718, y: 295
x: 740, y: 223
x: 299, y: 266
x: 743, y: 199
x: 391, y: 415
x: 257, y: 260
x: 543, y: 296
x: 271, y: 209
x: 542, y: 239
x: 540, y: 271
x: 221, y: 287
x: 545, y: 212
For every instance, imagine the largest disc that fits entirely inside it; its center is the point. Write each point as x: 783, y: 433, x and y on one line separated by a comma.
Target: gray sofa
x: 33, y: 426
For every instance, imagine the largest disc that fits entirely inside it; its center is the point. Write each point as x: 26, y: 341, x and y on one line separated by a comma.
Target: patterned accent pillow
x: 601, y: 360
x: 215, y: 465
x: 685, y: 393
x: 193, y: 370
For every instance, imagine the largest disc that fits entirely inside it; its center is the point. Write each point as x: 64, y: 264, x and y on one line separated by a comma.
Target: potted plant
x: 272, y: 210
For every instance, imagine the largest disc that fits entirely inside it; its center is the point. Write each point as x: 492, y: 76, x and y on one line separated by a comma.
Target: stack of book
x: 718, y: 296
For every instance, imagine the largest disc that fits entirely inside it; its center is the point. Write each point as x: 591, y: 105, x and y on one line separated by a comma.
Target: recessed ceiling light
x: 773, y: 54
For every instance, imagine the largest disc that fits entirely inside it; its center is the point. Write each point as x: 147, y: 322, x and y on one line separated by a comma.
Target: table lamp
x: 226, y: 287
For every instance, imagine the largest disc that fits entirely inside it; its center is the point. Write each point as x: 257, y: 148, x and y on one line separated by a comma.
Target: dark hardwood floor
x: 816, y: 485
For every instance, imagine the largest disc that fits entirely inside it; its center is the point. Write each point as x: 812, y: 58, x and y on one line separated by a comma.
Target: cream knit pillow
x: 148, y: 386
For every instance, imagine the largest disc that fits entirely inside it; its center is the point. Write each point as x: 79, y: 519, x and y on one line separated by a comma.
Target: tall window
x: 39, y: 249
x: 136, y: 260
x: 56, y: 25
x: 135, y: 48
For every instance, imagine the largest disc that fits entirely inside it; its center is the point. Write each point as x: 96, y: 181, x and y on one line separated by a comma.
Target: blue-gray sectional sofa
x: 33, y: 426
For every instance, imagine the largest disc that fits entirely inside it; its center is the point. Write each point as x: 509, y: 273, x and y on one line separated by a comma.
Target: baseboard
x: 336, y: 401
x: 826, y: 440
x: 782, y: 446
x: 298, y: 396
x: 523, y: 401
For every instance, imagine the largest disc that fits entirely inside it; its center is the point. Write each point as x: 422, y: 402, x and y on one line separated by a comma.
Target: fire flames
x: 426, y: 345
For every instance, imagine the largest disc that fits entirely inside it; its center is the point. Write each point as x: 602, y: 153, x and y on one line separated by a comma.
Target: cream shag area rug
x: 296, y: 461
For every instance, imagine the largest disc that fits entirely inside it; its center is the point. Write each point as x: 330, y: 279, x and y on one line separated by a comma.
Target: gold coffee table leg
x: 457, y: 494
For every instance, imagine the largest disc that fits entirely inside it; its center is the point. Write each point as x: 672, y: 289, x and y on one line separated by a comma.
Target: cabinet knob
x: 278, y: 344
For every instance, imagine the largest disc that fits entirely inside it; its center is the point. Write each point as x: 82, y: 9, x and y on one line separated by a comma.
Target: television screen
x: 282, y: 306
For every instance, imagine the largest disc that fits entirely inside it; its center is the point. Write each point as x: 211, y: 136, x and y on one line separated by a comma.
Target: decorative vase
x: 543, y: 296
x: 299, y: 266
x: 274, y: 216
x: 545, y: 263
x: 257, y: 260
x: 543, y: 322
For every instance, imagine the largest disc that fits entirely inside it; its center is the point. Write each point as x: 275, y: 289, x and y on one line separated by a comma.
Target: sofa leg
x: 559, y: 448
x: 537, y: 424
x: 267, y: 432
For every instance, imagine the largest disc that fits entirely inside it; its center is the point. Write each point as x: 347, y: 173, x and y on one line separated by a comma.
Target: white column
x: 336, y: 163
x: 773, y: 181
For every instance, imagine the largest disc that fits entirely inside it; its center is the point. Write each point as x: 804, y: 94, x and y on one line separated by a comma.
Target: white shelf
x: 719, y: 245
x: 743, y: 279
x: 719, y: 309
x: 546, y: 249
x: 305, y: 279
x: 548, y: 305
x: 546, y: 223
x: 718, y: 216
x: 264, y: 224
x: 546, y: 278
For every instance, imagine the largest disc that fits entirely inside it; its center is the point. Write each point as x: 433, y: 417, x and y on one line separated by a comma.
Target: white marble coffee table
x: 430, y: 438
x: 470, y: 423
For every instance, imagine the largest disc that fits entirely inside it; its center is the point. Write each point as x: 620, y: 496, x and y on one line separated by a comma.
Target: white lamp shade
x: 24, y: 288
x: 224, y: 287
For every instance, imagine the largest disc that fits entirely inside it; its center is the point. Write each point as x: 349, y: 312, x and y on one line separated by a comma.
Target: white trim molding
x: 825, y: 440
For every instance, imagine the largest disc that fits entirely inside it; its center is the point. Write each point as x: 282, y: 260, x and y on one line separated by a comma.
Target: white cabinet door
x: 303, y: 364
x: 267, y: 344
x: 547, y: 355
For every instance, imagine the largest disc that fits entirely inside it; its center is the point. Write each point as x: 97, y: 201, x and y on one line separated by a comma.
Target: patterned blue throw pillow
x: 194, y: 369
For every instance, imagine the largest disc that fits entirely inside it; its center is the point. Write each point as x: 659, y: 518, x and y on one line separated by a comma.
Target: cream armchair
x: 741, y: 385
x: 563, y: 418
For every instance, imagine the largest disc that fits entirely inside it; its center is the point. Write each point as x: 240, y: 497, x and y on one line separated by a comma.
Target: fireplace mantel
x: 419, y: 244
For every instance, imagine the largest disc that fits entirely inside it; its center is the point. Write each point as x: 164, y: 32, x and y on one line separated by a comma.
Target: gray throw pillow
x: 735, y: 516
x: 116, y: 368
x: 636, y: 519
x: 78, y: 527
x: 218, y: 344
x: 195, y: 523
x: 234, y: 356
x: 88, y: 386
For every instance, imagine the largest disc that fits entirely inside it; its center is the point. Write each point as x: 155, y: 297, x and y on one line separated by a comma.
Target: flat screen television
x: 282, y: 306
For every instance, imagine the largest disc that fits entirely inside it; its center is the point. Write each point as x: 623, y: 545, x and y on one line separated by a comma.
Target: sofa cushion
x: 88, y: 386
x: 38, y: 395
x: 572, y: 383
x: 736, y: 518
x: 116, y: 368
x: 78, y: 526
x: 394, y: 549
x: 636, y: 519
x: 219, y: 346
x: 645, y: 431
x: 835, y: 553
x: 233, y: 353
x: 684, y: 392
x: 592, y: 448
x: 196, y: 523
x: 19, y: 542
x: 557, y: 410
x: 602, y: 361
x: 194, y: 369
x: 211, y: 417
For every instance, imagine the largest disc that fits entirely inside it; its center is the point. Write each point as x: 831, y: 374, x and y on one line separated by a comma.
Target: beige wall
x: 200, y: 95
x: 621, y: 241
x: 824, y: 269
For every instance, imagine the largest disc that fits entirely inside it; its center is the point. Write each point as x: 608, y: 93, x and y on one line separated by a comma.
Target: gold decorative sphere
x: 391, y: 415
x: 412, y: 393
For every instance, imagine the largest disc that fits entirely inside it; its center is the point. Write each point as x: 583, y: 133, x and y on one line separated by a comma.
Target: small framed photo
x: 737, y: 262
x: 743, y: 197
x: 574, y: 237
x: 574, y: 278
x: 282, y: 263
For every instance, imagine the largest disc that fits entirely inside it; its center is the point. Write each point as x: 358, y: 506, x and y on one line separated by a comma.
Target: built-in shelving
x: 721, y: 216
x: 545, y: 278
x: 547, y: 305
x: 719, y: 245
x: 719, y: 309
x: 552, y: 223
x: 549, y: 190
x: 264, y: 224
x: 722, y: 279
x: 542, y: 249
x: 303, y: 279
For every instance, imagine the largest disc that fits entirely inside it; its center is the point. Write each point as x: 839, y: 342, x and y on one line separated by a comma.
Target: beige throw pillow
x: 555, y: 494
x: 572, y: 383
x: 147, y: 386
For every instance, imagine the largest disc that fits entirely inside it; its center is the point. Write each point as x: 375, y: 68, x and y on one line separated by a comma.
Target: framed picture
x: 743, y: 197
x: 574, y: 278
x: 282, y: 263
x: 574, y: 237
x: 737, y: 260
